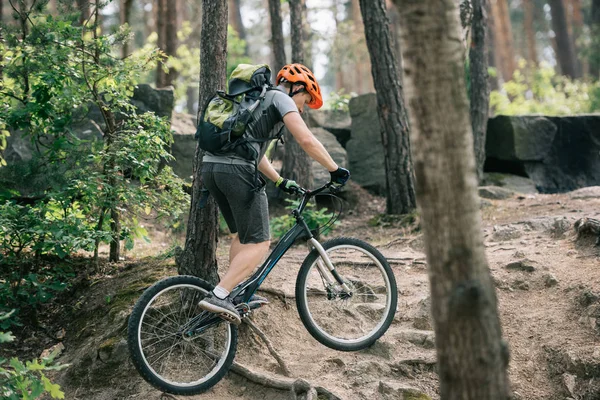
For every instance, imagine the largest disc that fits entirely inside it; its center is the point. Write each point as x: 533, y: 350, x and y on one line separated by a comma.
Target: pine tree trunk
x: 494, y: 83
x: 472, y: 357
x: 171, y: 41
x: 125, y: 19
x: 564, y: 45
x: 84, y: 9
x: 161, y: 41
x: 480, y: 91
x: 199, y: 255
x: 528, y: 8
x: 503, y: 41
x: 235, y: 20
x: 595, y: 33
x: 277, y: 43
x: 297, y: 164
x: 393, y: 118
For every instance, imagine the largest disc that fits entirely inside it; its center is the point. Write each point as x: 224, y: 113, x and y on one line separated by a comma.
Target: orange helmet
x: 298, y: 73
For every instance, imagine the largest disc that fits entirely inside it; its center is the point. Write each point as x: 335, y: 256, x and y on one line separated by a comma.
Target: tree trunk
x: 171, y: 41
x: 1, y: 40
x: 480, y: 91
x: 199, y: 255
x: 472, y: 357
x: 115, y: 229
x: 161, y: 41
x: 392, y: 111
x: 235, y: 20
x: 565, y: 52
x: 595, y: 35
x: 84, y: 10
x: 394, y: 17
x: 505, y: 56
x: 125, y: 19
x: 277, y: 43
x: 297, y: 165
x: 492, y: 49
x: 529, y: 7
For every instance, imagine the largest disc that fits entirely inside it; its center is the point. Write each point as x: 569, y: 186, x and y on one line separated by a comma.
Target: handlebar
x: 308, y: 194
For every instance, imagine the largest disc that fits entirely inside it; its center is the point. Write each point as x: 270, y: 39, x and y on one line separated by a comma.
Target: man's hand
x: 340, y: 176
x: 287, y: 185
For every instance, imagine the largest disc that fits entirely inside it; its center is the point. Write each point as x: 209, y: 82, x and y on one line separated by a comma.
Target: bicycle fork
x: 327, y: 265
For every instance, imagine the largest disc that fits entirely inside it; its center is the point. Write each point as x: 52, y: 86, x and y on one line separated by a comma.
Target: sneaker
x: 223, y: 307
x: 257, y: 301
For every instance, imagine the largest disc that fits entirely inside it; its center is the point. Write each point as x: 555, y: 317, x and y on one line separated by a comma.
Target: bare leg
x: 243, y: 259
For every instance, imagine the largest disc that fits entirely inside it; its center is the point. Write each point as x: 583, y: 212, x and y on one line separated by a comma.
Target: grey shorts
x: 245, y: 210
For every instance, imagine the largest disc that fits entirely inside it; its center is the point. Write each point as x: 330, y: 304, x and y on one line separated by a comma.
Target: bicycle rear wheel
x: 175, y: 346
x: 354, y: 317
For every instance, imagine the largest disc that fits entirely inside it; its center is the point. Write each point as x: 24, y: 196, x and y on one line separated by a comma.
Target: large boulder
x: 335, y: 149
x: 559, y: 154
x: 365, y: 149
x: 335, y: 121
x: 183, y: 148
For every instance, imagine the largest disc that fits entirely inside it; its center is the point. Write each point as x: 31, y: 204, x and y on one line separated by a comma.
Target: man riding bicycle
x: 230, y: 180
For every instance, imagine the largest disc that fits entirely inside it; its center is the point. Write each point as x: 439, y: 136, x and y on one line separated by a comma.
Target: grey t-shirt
x: 266, y: 122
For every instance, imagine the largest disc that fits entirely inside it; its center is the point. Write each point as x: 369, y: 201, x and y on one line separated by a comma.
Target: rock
x: 159, y: 101
x: 335, y: 121
x: 399, y: 391
x: 365, y: 149
x: 559, y: 154
x: 380, y: 349
x: 503, y: 233
x: 521, y: 285
x: 518, y: 184
x: 495, y: 192
x: 550, y: 280
x: 569, y: 382
x: 521, y: 265
x: 54, y: 351
x: 592, y: 192
x: 425, y: 339
x: 560, y: 226
x: 421, y: 315
x: 335, y: 149
x: 367, y: 368
x: 183, y: 148
x: 519, y: 254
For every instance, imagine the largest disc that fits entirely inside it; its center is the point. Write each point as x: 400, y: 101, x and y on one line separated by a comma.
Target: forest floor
x: 548, y: 289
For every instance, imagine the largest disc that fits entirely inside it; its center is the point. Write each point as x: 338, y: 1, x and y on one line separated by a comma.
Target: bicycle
x: 346, y: 296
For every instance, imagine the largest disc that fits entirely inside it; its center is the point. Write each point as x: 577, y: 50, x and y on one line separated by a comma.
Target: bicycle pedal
x: 230, y: 318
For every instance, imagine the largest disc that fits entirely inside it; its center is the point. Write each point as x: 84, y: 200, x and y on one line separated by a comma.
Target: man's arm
x: 267, y: 169
x: 309, y: 143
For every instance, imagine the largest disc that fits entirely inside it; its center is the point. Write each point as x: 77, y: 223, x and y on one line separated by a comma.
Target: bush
x: 542, y: 91
x: 314, y: 218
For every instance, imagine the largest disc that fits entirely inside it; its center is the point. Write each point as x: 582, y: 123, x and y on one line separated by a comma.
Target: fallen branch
x: 276, y: 292
x: 272, y: 350
x: 296, y: 386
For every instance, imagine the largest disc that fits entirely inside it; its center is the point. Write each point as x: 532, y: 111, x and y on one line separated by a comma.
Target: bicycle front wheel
x: 353, y: 316
x: 175, y: 346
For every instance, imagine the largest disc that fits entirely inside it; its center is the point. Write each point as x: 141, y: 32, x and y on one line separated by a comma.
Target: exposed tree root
x: 588, y: 226
x: 272, y: 350
x: 299, y: 387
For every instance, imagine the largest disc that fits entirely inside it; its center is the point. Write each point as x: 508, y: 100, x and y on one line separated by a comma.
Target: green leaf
x: 52, y: 388
x: 6, y: 337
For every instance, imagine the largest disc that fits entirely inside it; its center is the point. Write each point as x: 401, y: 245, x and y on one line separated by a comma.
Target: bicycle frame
x: 299, y: 231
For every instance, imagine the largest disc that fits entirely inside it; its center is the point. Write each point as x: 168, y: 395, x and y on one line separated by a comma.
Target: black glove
x: 287, y: 185
x: 340, y: 176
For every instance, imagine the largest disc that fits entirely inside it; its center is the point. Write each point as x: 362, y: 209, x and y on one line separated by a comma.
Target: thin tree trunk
x: 503, y: 38
x: 125, y: 19
x: 394, y: 30
x: 171, y: 41
x: 564, y: 45
x: 115, y: 228
x: 494, y: 83
x: 528, y: 8
x: 297, y: 164
x: 595, y: 33
x: 277, y: 43
x: 199, y: 255
x: 480, y: 91
x: 390, y: 106
x: 472, y: 357
x: 84, y: 11
x: 161, y: 42
x: 235, y: 20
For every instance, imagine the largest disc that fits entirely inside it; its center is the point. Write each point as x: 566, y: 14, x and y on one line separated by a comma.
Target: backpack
x: 222, y: 125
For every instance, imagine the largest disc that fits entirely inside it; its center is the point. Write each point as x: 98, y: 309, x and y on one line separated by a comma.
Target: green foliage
x: 542, y: 91
x: 314, y: 218
x: 27, y: 380
x: 340, y: 100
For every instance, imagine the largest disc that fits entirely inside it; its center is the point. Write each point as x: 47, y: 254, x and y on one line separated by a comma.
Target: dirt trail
x: 548, y: 302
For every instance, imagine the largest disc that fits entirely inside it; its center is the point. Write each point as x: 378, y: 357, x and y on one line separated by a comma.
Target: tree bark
x: 390, y: 106
x: 492, y: 49
x: 503, y: 41
x: 472, y: 357
x: 565, y: 52
x: 161, y: 41
x: 528, y: 8
x: 84, y: 10
x: 480, y: 91
x: 199, y: 255
x: 171, y: 41
x: 235, y: 20
x: 277, y: 43
x: 125, y: 19
x: 595, y: 34
x: 297, y: 165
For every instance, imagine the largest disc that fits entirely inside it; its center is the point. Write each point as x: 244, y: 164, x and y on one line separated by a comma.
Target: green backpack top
x: 223, y: 122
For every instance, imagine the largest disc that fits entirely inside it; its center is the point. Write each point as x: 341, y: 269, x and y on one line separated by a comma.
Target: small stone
x: 57, y: 350
x: 522, y: 285
x: 550, y: 280
x: 569, y: 382
x: 337, y: 361
x: 519, y: 254
x: 521, y: 265
x: 61, y: 334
